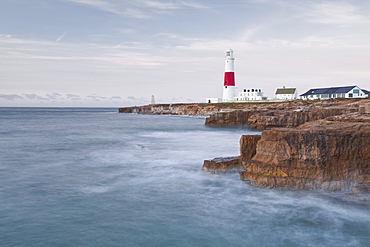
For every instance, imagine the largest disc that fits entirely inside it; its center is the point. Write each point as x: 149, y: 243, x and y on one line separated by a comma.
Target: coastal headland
x: 304, y: 145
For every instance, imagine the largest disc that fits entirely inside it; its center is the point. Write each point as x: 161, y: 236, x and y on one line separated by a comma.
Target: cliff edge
x: 332, y: 153
x: 324, y: 154
x: 305, y: 145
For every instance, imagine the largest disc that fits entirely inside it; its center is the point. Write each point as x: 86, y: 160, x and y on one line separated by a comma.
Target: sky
x: 121, y: 52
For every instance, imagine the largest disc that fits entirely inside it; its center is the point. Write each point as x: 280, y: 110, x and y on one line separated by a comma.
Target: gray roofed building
x: 335, y: 92
x: 286, y: 93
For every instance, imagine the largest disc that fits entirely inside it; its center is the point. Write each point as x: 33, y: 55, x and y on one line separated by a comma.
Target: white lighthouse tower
x: 229, y: 78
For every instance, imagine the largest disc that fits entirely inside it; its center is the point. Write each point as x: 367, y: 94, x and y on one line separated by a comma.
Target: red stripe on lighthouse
x: 229, y: 79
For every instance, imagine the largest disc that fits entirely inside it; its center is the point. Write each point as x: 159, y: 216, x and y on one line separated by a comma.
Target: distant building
x: 213, y: 100
x: 250, y: 95
x: 336, y: 92
x: 286, y: 93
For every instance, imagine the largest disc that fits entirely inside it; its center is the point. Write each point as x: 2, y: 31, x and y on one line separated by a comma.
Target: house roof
x: 285, y: 91
x: 366, y: 91
x: 329, y: 90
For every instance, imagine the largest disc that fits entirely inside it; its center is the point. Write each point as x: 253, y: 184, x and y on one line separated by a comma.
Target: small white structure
x: 250, y: 95
x: 286, y: 93
x: 335, y: 92
x: 213, y: 100
x: 152, y: 101
x: 229, y: 78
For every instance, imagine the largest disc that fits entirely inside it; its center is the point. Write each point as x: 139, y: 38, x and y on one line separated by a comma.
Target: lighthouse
x: 229, y: 78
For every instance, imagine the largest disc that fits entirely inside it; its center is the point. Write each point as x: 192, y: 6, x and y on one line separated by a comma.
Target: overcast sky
x: 121, y: 52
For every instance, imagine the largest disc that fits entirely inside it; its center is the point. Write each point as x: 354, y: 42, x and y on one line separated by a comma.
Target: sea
x: 96, y: 177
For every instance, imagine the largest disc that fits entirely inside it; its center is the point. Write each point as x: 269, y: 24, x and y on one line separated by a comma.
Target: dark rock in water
x: 222, y: 165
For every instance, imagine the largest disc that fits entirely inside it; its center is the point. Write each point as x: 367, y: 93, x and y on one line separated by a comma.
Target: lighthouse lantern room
x: 229, y: 78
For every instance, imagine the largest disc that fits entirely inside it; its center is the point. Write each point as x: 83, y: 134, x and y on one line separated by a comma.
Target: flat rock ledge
x: 248, y: 145
x: 223, y: 165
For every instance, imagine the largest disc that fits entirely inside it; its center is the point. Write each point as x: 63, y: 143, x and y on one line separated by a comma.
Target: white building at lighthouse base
x: 254, y: 94
x: 247, y: 95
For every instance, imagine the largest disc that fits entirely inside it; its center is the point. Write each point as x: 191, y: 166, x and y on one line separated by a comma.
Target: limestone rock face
x: 259, y: 116
x: 248, y: 146
x: 230, y: 118
x: 261, y: 119
x: 318, y: 155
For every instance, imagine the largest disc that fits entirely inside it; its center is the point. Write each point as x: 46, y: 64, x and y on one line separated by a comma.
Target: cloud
x: 194, y: 5
x: 132, y: 100
x: 342, y: 14
x: 130, y: 54
x: 11, y: 97
x: 61, y: 37
x: 61, y: 99
x: 160, y: 5
x: 95, y: 97
x: 99, y: 4
x: 5, y: 36
x: 53, y: 96
x: 138, y: 9
x: 128, y: 9
x: 172, y: 5
x: 73, y: 96
x: 34, y: 96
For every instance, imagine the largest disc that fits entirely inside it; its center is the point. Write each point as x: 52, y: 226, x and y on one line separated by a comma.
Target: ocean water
x: 94, y: 177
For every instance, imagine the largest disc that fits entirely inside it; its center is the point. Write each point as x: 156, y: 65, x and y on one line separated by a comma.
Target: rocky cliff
x: 322, y: 145
x: 254, y: 115
x: 332, y: 153
x: 267, y: 118
x: 180, y: 109
x: 323, y: 154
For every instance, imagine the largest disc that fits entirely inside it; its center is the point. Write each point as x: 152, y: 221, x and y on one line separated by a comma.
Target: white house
x: 250, y: 95
x: 286, y: 93
x: 336, y: 92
